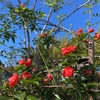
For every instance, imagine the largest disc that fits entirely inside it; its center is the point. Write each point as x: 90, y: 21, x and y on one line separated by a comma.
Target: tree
x: 47, y: 67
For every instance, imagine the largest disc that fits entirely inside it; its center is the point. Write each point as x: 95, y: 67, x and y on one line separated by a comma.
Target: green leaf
x: 92, y: 84
x: 31, y: 82
x: 31, y: 97
x: 13, y: 39
x: 87, y: 5
x: 57, y: 97
x: 21, y: 96
x: 6, y: 98
x: 36, y: 79
x: 86, y: 12
x: 96, y: 1
x: 79, y: 96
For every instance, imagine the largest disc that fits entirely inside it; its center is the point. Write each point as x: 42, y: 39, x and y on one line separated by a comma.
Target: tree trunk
x: 91, y: 52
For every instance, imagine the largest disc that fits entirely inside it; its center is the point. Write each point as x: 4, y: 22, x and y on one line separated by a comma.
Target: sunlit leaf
x: 21, y: 96
x: 31, y: 97
x: 6, y: 98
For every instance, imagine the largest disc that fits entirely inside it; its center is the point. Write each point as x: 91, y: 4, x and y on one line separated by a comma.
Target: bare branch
x: 19, y: 1
x: 34, y: 5
x: 20, y: 39
x: 73, y: 12
x: 40, y: 8
x: 61, y: 27
x: 48, y: 17
x: 37, y: 56
x: 3, y: 68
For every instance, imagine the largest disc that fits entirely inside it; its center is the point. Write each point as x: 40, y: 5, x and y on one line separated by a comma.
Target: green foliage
x: 31, y: 97
x: 6, y: 98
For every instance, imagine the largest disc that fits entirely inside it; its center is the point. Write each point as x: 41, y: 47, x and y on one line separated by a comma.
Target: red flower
x: 90, y: 30
x: 86, y: 41
x: 26, y: 75
x: 79, y: 32
x: 73, y: 48
x: 64, y: 51
x: 97, y: 36
x: 13, y: 80
x: 21, y: 62
x: 68, y: 72
x: 68, y: 50
x: 87, y: 72
x: 28, y: 63
x: 49, y: 76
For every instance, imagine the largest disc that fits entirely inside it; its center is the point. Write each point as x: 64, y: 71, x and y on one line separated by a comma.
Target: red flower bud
x: 90, y: 30
x: 66, y: 44
x: 87, y: 72
x: 79, y: 33
x: 34, y: 69
x: 80, y: 30
x: 23, y: 5
x: 29, y: 60
x: 49, y: 76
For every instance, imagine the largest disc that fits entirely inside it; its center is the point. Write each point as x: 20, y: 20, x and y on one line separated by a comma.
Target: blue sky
x: 78, y: 19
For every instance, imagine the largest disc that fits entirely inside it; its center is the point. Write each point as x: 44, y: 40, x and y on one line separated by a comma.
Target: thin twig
x: 68, y: 87
x: 73, y: 12
x: 61, y: 27
x: 19, y: 1
x: 40, y: 8
x: 57, y: 86
x: 43, y: 59
x: 34, y: 4
x: 48, y: 17
x: 37, y: 56
x: 90, y: 16
x: 4, y: 69
x: 20, y: 39
x: 28, y: 34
